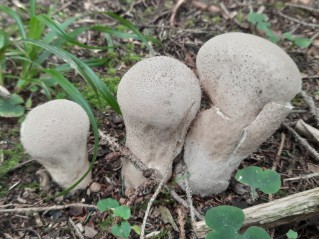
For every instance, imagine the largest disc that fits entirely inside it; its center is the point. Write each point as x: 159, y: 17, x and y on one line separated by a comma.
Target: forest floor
x: 182, y: 30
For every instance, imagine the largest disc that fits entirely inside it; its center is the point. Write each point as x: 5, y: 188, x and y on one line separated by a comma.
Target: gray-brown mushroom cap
x: 159, y: 97
x: 55, y: 134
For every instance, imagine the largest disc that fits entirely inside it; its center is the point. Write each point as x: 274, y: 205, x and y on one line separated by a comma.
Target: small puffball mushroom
x: 55, y: 134
x: 250, y: 82
x: 159, y: 97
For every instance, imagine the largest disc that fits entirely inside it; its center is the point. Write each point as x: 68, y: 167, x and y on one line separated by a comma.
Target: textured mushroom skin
x: 250, y: 82
x: 55, y: 134
x: 159, y: 97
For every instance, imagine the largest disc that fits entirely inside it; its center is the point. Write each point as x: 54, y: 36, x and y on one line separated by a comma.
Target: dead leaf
x: 167, y: 217
x: 314, y: 168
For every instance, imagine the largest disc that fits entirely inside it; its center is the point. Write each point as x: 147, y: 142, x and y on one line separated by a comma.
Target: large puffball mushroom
x: 159, y: 98
x: 55, y: 134
x: 250, y: 82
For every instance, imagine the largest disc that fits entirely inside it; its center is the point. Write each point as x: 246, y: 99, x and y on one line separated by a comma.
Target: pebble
x: 95, y: 187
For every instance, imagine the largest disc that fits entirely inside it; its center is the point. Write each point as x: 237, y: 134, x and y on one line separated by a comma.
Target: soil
x: 28, y: 185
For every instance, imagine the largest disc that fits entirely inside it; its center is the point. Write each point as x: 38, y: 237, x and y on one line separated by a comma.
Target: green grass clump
x: 11, y: 158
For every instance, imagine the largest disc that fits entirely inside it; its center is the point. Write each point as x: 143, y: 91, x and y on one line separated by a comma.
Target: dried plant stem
x: 281, y: 146
x: 304, y: 142
x: 76, y: 229
x: 181, y: 222
x: 312, y: 25
x: 150, y: 203
x: 189, y: 199
x: 311, y: 175
x: 41, y: 209
x: 312, y: 107
x: 174, y: 12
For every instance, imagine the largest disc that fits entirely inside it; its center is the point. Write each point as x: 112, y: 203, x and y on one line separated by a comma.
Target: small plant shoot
x: 292, y: 234
x: 225, y: 222
x: 123, y: 228
x: 267, y: 181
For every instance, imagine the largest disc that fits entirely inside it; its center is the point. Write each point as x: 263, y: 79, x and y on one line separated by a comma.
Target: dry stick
x: 76, y: 229
x: 189, y: 199
x: 307, y: 176
x: 312, y: 25
x: 206, y: 7
x: 174, y: 12
x: 41, y: 209
x: 281, y: 146
x: 302, y: 7
x: 150, y: 203
x: 181, y: 222
x: 310, y: 102
x: 296, y: 207
x: 303, y: 142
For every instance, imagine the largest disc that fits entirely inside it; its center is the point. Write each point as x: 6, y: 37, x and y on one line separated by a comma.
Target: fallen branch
x: 41, y: 209
x: 299, y: 206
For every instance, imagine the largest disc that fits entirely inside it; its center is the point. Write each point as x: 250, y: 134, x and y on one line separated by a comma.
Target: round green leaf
x: 224, y: 217
x: 123, y: 212
x: 267, y: 181
x: 106, y: 204
x: 292, y: 234
x: 254, y: 233
x: 122, y: 230
x: 10, y: 107
x: 223, y: 233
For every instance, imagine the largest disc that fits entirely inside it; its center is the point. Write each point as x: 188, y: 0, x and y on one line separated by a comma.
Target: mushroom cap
x: 241, y: 73
x: 56, y: 126
x: 158, y: 90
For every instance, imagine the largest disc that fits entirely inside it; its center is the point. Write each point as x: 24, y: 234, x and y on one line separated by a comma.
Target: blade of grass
x: 84, y: 70
x: 60, y: 32
x: 16, y: 17
x: 129, y: 25
x: 78, y: 98
x: 109, y: 41
x: 32, y: 8
x: 90, y: 62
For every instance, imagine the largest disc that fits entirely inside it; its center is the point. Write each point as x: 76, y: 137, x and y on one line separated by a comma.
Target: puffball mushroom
x: 159, y: 98
x: 250, y: 82
x: 55, y: 134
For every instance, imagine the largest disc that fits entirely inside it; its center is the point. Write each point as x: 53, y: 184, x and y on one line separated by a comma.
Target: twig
x: 312, y: 25
x: 174, y: 12
x: 76, y: 229
x: 303, y: 142
x: 189, y: 198
x: 310, y: 102
x: 206, y: 7
x: 150, y: 203
x: 302, y: 7
x: 40, y: 209
x: 312, y: 175
x: 21, y: 164
x: 181, y: 222
x: 184, y: 203
x: 281, y: 146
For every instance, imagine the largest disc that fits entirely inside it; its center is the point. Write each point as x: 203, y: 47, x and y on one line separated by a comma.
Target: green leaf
x: 302, y: 42
x: 4, y: 39
x: 136, y: 229
x: 223, y: 233
x: 123, y: 212
x: 129, y: 25
x: 106, y: 204
x: 11, y: 107
x: 224, y: 216
x: 292, y: 234
x: 267, y: 181
x: 122, y: 230
x: 255, y: 233
x: 16, y: 17
x: 254, y: 17
x: 289, y: 36
x: 84, y: 70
